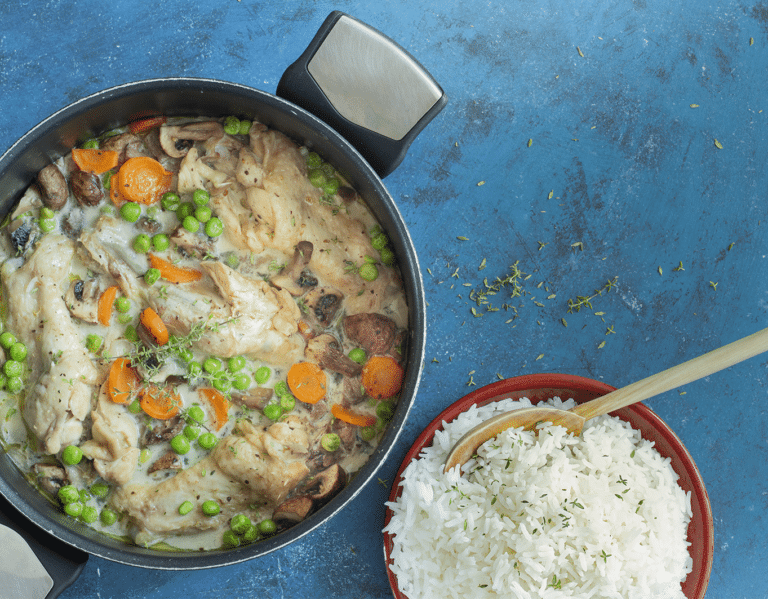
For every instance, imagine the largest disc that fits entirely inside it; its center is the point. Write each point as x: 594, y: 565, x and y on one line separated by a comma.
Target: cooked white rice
x: 548, y: 515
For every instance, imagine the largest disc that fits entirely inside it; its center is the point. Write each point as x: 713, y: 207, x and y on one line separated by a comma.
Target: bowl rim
x: 538, y: 387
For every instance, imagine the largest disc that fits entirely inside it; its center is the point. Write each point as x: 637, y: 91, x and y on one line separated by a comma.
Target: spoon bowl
x: 573, y: 420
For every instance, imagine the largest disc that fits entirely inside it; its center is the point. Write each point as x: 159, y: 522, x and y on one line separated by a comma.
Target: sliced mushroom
x: 347, y: 194
x: 164, y: 431
x: 325, y: 485
x: 125, y: 144
x: 169, y: 461
x: 293, y: 510
x: 375, y: 333
x: 86, y: 188
x: 293, y: 278
x: 324, y: 303
x: 177, y: 140
x: 24, y: 233
x: 325, y: 351
x: 192, y: 244
x: 82, y: 299
x: 54, y: 187
x: 50, y: 477
x: 255, y: 398
x: 148, y: 225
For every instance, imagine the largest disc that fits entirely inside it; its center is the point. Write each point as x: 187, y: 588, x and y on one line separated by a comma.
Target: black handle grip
x: 365, y: 86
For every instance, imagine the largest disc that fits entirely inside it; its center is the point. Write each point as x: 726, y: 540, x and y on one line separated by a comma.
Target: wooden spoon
x: 573, y: 420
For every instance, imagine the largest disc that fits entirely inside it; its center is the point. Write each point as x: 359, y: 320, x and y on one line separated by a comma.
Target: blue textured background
x: 635, y: 176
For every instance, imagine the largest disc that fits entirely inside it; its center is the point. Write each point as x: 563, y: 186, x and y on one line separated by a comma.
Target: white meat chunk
x: 194, y: 173
x: 253, y: 466
x: 114, y: 443
x: 63, y: 373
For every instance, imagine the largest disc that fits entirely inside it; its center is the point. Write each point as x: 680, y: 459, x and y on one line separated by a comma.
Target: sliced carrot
x: 114, y: 189
x: 94, y: 161
x: 218, y: 403
x: 143, y: 180
x: 172, y: 273
x: 146, y: 124
x: 106, y: 301
x: 160, y: 402
x: 122, y: 381
x: 351, y: 417
x: 155, y: 325
x: 307, y: 382
x: 382, y: 377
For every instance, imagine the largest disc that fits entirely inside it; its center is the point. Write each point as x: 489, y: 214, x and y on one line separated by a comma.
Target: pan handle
x: 366, y: 87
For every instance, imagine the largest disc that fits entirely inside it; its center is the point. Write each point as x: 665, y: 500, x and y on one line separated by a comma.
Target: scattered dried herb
x: 718, y: 145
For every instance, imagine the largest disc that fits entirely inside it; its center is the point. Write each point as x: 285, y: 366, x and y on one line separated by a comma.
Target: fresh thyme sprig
x: 583, y: 301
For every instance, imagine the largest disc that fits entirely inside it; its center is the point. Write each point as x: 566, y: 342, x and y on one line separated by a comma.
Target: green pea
x: 236, y: 363
x: 124, y: 318
x: 387, y: 256
x: 230, y: 539
x: 367, y: 433
x: 18, y: 351
x: 241, y: 381
x: 141, y: 243
x: 130, y: 211
x: 191, y: 432
x: 47, y: 224
x: 13, y: 368
x: 14, y: 384
x: 368, y: 272
x: 331, y: 186
x: 68, y: 494
x: 91, y: 144
x: 328, y: 169
x: 239, y: 523
x: 89, y: 515
x: 7, y: 339
x: 287, y: 403
x: 73, y: 509
x: 245, y: 127
x: 100, y: 490
x: 203, y: 214
x: 231, y: 125
x: 262, y: 374
x: 281, y: 388
x: 314, y: 160
x: 251, y: 534
x: 317, y: 177
x: 211, y: 508
x: 180, y: 444
x: 380, y: 241
x: 71, y: 455
x: 153, y: 212
x: 211, y: 365
x: 161, y: 242
x: 131, y: 334
x: 46, y: 212
x: 207, y: 441
x: 122, y: 304
x: 107, y: 517
x: 185, y: 508
x: 170, y: 201
x: 330, y: 441
x: 145, y: 455
x: 357, y: 355
x: 267, y: 527
x: 385, y: 410
x: 194, y: 369
x: 214, y: 227
x: 195, y: 414
x: 273, y: 411
x: 222, y: 381
x: 184, y: 210
x: 134, y: 407
x: 106, y: 181
x: 152, y: 276
x: 191, y: 224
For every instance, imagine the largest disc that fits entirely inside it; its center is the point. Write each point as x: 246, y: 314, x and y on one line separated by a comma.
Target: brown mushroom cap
x: 54, y: 187
x: 293, y: 510
x: 176, y: 140
x: 375, y: 333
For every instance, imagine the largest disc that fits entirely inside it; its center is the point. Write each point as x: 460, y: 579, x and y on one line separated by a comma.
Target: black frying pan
x: 371, y: 149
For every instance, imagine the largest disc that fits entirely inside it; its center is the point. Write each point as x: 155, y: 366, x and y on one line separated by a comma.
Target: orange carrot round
x: 219, y: 404
x: 155, y: 325
x: 172, y: 273
x: 94, y: 161
x: 161, y: 403
x: 307, y: 382
x: 382, y: 377
x: 141, y: 125
x: 114, y: 189
x: 104, y: 308
x: 143, y: 180
x: 122, y: 381
x: 351, y: 417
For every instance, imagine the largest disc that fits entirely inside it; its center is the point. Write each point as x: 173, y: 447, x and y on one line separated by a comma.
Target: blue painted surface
x: 634, y: 176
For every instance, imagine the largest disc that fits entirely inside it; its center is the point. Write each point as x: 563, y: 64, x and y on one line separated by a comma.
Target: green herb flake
x: 679, y: 267
x: 661, y: 272
x: 713, y: 285
x: 602, y: 345
x: 579, y: 51
x: 718, y: 145
x: 482, y: 265
x: 551, y: 194
x: 462, y: 238
x: 694, y: 105
x: 530, y: 142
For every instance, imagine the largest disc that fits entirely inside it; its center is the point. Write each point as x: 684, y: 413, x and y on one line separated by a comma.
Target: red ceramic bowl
x: 540, y: 387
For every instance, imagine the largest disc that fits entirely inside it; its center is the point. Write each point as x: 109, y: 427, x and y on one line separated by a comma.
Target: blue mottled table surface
x: 584, y: 141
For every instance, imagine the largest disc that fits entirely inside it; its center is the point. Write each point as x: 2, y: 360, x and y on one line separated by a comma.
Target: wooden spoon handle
x: 679, y: 375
